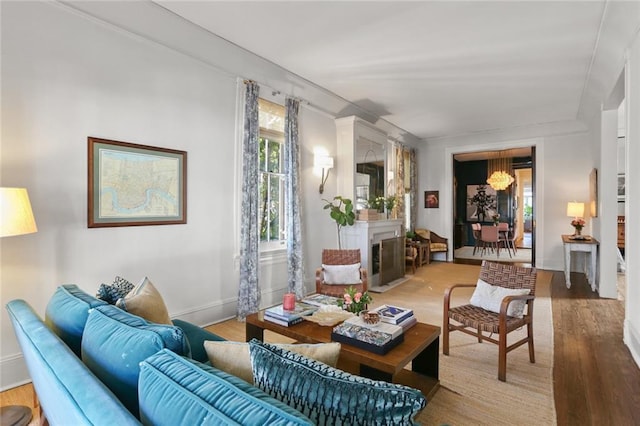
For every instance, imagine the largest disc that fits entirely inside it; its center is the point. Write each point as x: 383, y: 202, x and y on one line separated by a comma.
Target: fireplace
x: 381, y: 245
x: 392, y: 264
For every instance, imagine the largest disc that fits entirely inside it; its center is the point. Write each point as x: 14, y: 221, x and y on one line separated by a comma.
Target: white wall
x: 632, y: 205
x: 66, y: 77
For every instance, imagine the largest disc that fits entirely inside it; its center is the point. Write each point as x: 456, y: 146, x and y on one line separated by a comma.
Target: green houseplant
x: 341, y: 210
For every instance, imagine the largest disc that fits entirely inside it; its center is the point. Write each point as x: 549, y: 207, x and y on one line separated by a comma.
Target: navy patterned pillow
x: 329, y: 396
x: 111, y: 293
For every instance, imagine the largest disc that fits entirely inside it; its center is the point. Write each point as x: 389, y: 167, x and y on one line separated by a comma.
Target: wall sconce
x: 323, y: 162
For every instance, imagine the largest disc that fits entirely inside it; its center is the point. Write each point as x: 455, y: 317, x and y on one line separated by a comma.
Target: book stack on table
x: 277, y: 314
x: 320, y: 300
x: 379, y: 338
x: 396, y: 315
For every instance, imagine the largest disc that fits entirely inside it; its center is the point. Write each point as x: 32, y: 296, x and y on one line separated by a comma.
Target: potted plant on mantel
x: 342, y: 217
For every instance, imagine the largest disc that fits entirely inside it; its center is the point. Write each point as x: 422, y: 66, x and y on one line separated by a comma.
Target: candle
x: 289, y: 301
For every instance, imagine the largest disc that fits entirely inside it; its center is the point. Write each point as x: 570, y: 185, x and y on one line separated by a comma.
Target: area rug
x: 389, y: 286
x: 522, y: 255
x: 470, y: 392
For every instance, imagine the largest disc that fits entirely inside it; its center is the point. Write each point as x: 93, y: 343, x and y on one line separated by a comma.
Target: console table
x: 590, y: 248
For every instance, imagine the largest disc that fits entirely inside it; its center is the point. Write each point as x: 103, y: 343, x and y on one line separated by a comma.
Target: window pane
x: 274, y: 157
x: 274, y: 208
x: 262, y: 155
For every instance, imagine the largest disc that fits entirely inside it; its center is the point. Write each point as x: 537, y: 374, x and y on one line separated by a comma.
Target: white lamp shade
x: 575, y: 209
x: 16, y: 216
x: 323, y: 162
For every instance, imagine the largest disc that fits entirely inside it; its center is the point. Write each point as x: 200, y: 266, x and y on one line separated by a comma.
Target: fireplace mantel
x: 364, y: 236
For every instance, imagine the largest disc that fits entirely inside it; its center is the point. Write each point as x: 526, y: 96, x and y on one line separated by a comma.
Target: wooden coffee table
x: 420, y: 347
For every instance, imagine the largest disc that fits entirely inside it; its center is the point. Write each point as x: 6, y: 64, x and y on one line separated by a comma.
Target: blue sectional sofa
x: 92, y: 363
x: 86, y: 361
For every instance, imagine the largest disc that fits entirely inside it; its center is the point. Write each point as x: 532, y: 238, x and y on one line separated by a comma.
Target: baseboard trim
x: 631, y: 337
x: 13, y: 372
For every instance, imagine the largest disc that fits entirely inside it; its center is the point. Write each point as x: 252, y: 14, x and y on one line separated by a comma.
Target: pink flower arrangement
x: 354, y: 301
x: 578, y: 223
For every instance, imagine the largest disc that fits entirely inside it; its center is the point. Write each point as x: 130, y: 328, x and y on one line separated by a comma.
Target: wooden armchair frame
x: 340, y: 257
x: 473, y: 320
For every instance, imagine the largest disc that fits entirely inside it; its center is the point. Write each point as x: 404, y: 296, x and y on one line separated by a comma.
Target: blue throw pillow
x: 111, y: 293
x: 67, y: 313
x: 177, y: 391
x: 329, y: 396
x: 115, y: 342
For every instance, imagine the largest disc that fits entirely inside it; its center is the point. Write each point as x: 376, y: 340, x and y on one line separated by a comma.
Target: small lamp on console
x: 323, y: 162
x: 576, y: 210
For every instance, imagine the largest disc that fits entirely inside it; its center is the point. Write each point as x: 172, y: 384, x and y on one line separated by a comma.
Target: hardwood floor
x: 596, y: 382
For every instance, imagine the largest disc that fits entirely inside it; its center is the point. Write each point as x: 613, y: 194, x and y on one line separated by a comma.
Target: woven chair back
x: 340, y: 257
x: 509, y: 276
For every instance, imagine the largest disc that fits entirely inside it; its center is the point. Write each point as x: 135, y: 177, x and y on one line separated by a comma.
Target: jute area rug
x: 470, y: 392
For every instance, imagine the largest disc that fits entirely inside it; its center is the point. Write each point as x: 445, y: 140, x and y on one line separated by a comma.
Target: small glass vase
x: 578, y: 231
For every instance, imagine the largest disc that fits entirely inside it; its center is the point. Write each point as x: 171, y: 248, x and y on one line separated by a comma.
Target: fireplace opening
x: 375, y: 258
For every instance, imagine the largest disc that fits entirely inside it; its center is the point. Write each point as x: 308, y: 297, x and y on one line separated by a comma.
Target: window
x: 271, y: 180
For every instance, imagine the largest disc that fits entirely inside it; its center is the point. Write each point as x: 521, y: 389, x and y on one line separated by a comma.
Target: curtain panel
x: 295, y: 260
x: 249, y: 289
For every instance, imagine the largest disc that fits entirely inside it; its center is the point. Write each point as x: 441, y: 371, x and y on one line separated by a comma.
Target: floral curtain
x: 249, y: 289
x: 295, y: 260
x: 413, y: 179
x: 399, y: 182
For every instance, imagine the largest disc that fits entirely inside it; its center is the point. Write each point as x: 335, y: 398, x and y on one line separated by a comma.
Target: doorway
x: 513, y: 205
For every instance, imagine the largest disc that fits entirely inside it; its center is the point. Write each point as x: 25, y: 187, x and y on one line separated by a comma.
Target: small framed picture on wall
x: 431, y: 199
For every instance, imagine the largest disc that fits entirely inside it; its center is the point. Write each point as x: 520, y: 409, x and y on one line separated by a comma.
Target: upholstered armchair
x: 502, y: 302
x: 340, y: 269
x: 435, y: 241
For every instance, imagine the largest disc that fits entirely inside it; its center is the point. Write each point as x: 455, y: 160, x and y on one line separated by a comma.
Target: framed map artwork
x: 132, y: 185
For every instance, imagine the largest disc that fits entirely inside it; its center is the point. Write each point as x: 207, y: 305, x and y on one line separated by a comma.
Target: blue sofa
x: 92, y: 363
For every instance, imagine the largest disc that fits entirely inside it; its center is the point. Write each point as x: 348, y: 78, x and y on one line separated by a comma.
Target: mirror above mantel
x: 362, y: 154
x: 370, y: 171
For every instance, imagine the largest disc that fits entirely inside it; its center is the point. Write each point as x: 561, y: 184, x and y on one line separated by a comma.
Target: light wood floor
x: 596, y: 381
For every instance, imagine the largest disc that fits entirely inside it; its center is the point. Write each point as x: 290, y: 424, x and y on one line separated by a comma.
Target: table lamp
x: 576, y: 210
x: 16, y: 218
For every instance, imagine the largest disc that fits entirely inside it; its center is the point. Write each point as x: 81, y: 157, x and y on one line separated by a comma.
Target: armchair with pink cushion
x: 340, y: 270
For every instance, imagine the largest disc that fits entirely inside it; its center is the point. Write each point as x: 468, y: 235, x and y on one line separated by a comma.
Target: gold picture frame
x: 135, y: 185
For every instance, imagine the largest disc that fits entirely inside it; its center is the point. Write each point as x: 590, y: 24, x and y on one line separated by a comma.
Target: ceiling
x: 430, y: 68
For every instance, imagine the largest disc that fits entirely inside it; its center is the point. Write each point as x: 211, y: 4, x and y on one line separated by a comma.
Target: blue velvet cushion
x: 67, y: 313
x: 196, y: 337
x: 115, y: 342
x: 177, y: 391
x: 329, y: 396
x: 111, y: 293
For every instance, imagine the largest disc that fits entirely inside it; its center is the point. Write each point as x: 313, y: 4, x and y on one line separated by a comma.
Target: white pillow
x: 342, y: 274
x: 489, y: 297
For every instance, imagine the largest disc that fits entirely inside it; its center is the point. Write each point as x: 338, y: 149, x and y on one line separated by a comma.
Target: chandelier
x: 499, y: 172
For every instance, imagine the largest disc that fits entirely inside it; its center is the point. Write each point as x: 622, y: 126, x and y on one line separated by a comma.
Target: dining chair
x: 490, y: 238
x: 475, y: 229
x: 503, y: 236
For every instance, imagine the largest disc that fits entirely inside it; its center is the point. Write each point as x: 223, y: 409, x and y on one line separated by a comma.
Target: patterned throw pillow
x: 329, y: 396
x: 111, y: 293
